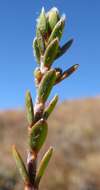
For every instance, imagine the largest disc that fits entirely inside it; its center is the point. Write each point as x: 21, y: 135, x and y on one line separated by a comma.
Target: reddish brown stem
x: 31, y: 164
x: 38, y: 110
x: 30, y: 187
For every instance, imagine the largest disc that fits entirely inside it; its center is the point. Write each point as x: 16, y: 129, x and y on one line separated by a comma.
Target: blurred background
x: 75, y: 124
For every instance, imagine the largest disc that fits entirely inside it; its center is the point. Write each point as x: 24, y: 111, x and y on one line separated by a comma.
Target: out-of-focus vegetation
x: 74, y: 131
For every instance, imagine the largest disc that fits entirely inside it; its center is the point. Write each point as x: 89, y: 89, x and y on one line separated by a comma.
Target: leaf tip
x: 76, y: 66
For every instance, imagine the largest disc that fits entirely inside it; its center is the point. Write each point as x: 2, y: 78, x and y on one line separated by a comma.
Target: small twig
x: 46, y: 46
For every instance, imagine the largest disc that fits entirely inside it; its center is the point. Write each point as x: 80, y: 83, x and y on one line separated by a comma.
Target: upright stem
x: 31, y: 164
x: 47, y: 48
x: 38, y: 110
x: 30, y: 187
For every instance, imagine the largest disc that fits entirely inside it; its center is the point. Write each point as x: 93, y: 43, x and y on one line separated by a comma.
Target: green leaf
x: 51, y: 52
x: 58, y: 29
x: 29, y: 108
x: 53, y: 17
x: 68, y: 72
x: 46, y: 85
x: 20, y: 165
x: 38, y: 135
x: 40, y: 41
x: 42, y: 24
x: 64, y: 48
x: 36, y: 50
x: 48, y: 110
x: 43, y: 165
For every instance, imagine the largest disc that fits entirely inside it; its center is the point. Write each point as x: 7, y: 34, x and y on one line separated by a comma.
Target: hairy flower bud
x: 53, y: 17
x: 58, y: 29
x: 42, y: 24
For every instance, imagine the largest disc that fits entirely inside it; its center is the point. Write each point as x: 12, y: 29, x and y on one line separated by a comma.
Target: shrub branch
x: 49, y: 30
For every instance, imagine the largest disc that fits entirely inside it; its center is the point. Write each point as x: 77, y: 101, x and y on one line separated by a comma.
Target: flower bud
x: 53, y: 17
x: 42, y: 23
x: 58, y: 29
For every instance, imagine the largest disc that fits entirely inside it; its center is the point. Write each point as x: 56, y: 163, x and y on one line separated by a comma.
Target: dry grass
x: 74, y: 131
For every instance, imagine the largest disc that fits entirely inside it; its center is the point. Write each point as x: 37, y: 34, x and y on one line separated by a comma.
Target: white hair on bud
x: 52, y: 9
x: 42, y: 10
x: 37, y: 20
x: 63, y: 16
x: 55, y: 9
